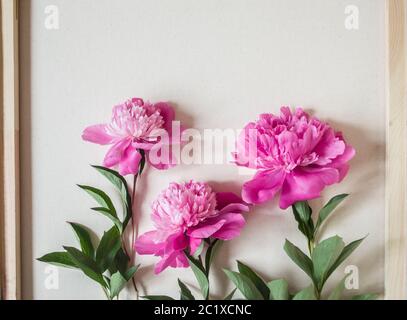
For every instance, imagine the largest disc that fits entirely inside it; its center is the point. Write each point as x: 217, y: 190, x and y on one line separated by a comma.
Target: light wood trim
x: 10, y: 232
x: 396, y: 249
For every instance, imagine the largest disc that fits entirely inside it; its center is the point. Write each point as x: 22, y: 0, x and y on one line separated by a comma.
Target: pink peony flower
x: 184, y: 215
x: 135, y: 125
x: 295, y: 154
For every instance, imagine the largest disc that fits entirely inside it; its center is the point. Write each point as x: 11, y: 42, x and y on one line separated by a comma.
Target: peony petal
x: 347, y: 155
x: 305, y: 184
x: 194, y: 244
x: 231, y: 228
x: 343, y: 171
x: 225, y: 198
x: 246, y: 147
x: 177, y: 242
x: 207, y: 228
x: 172, y: 259
x: 115, y: 153
x: 168, y: 114
x: 146, y: 244
x: 329, y: 147
x: 129, y: 163
x: 235, y: 208
x: 98, y: 134
x: 263, y: 187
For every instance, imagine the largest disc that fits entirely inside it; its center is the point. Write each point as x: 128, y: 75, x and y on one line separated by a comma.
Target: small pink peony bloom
x: 295, y: 154
x: 184, y: 215
x: 135, y: 125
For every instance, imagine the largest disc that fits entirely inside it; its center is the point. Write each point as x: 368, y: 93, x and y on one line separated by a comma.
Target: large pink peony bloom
x: 184, y: 215
x: 295, y: 154
x: 135, y: 125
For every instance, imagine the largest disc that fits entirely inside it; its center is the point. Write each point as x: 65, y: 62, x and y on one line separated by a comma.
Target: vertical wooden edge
x: 396, y: 145
x: 1, y: 158
x: 10, y: 162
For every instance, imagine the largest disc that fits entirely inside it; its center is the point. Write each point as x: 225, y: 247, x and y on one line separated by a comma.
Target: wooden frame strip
x: 396, y: 249
x: 10, y: 162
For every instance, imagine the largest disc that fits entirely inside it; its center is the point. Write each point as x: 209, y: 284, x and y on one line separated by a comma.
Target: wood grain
x: 10, y: 232
x: 396, y: 250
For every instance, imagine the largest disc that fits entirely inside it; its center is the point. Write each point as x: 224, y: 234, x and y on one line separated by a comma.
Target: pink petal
x: 129, y: 163
x: 231, y: 228
x: 194, y: 244
x: 246, y: 147
x: 263, y: 187
x: 173, y: 259
x: 177, y: 241
x: 305, y: 184
x: 207, y: 228
x: 343, y: 171
x: 168, y: 114
x: 225, y: 198
x: 347, y: 155
x: 234, y: 208
x: 146, y: 244
x: 329, y: 147
x: 115, y: 153
x: 97, y: 134
x: 173, y: 253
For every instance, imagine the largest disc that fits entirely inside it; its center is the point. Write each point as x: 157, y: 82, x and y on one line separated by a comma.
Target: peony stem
x: 134, y: 231
x: 311, y: 246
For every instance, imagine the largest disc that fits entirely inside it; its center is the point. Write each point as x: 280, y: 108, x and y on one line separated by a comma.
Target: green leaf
x: 346, y: 252
x: 200, y: 276
x: 116, y: 179
x: 111, y: 215
x: 304, y: 210
x: 230, y: 295
x: 117, y: 283
x: 366, y: 296
x: 131, y: 272
x: 303, y: 215
x: 324, y: 257
x: 278, y: 290
x: 306, y: 294
x: 84, y: 239
x: 121, y: 185
x: 254, y: 277
x: 329, y: 207
x: 101, y: 197
x: 120, y: 263
x: 60, y: 259
x: 211, y: 253
x: 299, y: 258
x: 87, y: 265
x: 186, y: 294
x: 108, y: 247
x: 244, y: 285
x: 157, y: 298
x: 199, y: 250
x: 336, y: 294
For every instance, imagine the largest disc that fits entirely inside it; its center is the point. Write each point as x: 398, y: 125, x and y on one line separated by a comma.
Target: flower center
x: 185, y: 205
x: 136, y: 121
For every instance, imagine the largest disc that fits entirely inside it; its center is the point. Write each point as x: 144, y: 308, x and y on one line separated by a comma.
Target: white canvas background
x: 221, y: 63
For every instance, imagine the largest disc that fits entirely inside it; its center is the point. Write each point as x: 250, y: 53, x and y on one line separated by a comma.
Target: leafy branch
x: 323, y: 259
x: 107, y: 263
x: 200, y: 264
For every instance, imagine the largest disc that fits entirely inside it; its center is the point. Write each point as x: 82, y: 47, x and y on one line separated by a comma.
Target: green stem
x: 134, y: 231
x: 311, y: 246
